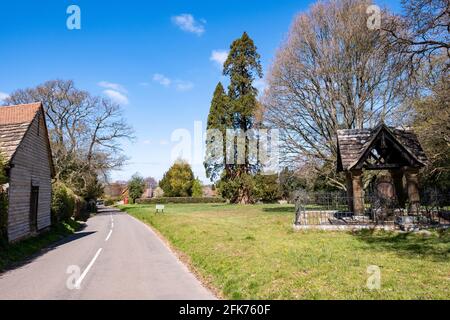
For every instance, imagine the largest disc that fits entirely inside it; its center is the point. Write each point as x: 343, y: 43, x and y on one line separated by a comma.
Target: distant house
x: 25, y: 148
x: 209, y: 191
x: 148, y: 193
x: 125, y: 196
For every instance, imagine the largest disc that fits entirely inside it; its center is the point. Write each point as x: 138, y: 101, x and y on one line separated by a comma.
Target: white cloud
x: 113, y: 86
x: 179, y: 85
x: 3, y: 96
x: 163, y: 142
x: 219, y: 57
x: 116, y: 92
x: 116, y: 96
x: 147, y: 142
x: 187, y: 22
x: 162, y: 79
x: 184, y: 85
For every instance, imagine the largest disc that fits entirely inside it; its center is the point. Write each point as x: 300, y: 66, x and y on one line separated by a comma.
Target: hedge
x: 3, y: 217
x: 166, y: 200
x: 63, y: 203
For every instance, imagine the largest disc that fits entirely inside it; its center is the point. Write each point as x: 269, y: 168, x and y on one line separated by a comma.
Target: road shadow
x: 102, y: 211
x: 435, y: 247
x: 63, y: 241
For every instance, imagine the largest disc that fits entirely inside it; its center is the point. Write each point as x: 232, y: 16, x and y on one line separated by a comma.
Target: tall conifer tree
x: 236, y: 111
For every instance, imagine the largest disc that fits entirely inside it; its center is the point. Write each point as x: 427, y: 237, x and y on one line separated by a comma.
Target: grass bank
x: 251, y: 252
x: 11, y: 254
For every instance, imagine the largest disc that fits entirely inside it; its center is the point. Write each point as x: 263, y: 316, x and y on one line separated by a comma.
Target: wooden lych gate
x: 382, y: 148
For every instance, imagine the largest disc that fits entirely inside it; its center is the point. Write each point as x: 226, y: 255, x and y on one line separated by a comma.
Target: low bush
x: 3, y: 203
x: 83, y: 209
x: 166, y: 200
x: 108, y: 202
x: 63, y: 203
x: 3, y: 217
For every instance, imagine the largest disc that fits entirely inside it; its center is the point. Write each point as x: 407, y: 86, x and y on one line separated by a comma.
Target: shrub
x: 167, y: 200
x: 267, y: 188
x: 158, y: 192
x: 197, y: 190
x: 3, y: 217
x: 177, y: 181
x: 3, y: 204
x: 136, y: 187
x: 234, y: 189
x: 84, y: 208
x: 63, y: 203
x: 108, y: 202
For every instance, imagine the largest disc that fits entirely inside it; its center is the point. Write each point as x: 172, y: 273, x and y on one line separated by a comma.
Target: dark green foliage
x: 83, y: 209
x: 3, y: 204
x: 243, y: 66
x: 178, y: 180
x: 63, y: 203
x: 108, y: 202
x: 267, y: 188
x: 136, y: 187
x: 197, y: 190
x: 167, y: 200
x: 237, y: 189
x: 235, y: 111
x: 221, y: 118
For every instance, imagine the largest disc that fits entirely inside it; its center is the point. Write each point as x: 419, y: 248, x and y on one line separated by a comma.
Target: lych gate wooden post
x: 358, y: 192
x: 349, y: 186
x: 412, y: 185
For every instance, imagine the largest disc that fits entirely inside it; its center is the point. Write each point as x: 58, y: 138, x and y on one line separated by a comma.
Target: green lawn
x: 251, y: 252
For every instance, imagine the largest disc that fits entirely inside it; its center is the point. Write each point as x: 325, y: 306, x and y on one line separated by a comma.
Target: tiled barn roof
x: 14, y: 123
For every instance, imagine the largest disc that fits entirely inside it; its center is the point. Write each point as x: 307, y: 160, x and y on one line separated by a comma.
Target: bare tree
x: 331, y: 73
x: 85, y: 131
x: 423, y: 30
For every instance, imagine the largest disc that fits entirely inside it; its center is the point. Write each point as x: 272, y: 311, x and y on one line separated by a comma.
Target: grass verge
x: 251, y: 252
x: 12, y: 254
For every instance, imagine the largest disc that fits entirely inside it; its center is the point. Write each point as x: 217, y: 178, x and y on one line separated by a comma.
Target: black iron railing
x: 336, y: 209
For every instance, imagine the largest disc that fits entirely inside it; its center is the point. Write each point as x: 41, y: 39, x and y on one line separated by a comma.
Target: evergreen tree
x: 136, y: 187
x: 220, y: 118
x: 178, y: 180
x: 197, y: 190
x: 243, y: 66
x: 235, y: 110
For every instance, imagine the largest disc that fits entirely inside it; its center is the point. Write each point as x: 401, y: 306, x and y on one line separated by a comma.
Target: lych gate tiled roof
x: 14, y: 123
x: 352, y: 144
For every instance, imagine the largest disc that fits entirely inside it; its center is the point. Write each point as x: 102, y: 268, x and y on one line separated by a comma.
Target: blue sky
x: 156, y: 58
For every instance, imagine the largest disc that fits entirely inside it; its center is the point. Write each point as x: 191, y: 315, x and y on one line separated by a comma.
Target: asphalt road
x: 114, y: 257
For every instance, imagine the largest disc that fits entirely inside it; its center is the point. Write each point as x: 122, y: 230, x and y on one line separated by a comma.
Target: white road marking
x: 109, y: 235
x: 112, y: 225
x: 85, y: 272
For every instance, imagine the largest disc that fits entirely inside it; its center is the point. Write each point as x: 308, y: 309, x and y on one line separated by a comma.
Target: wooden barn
x: 25, y: 149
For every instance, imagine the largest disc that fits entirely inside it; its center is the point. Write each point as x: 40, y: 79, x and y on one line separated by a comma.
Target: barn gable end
x: 25, y: 146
